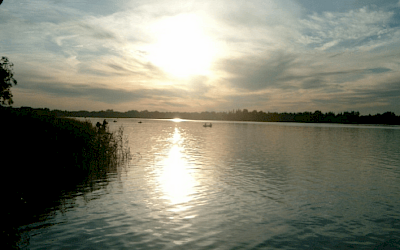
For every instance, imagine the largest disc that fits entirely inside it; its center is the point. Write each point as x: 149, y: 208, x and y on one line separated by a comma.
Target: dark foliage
x: 6, y: 81
x: 44, y: 157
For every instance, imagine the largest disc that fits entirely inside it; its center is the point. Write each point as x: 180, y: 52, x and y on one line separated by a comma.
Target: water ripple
x: 239, y: 186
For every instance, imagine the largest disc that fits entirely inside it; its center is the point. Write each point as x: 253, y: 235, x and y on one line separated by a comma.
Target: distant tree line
x: 352, y: 117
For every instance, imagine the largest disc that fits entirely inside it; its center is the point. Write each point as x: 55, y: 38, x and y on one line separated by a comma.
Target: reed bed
x: 43, y: 157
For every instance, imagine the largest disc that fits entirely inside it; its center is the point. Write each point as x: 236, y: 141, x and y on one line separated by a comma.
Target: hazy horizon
x: 168, y: 56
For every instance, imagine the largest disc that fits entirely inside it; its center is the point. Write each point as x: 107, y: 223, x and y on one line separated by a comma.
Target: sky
x: 194, y: 56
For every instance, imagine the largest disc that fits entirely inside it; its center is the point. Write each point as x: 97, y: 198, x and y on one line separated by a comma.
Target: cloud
x: 290, y: 71
x: 198, y: 84
x: 174, y: 104
x: 372, y: 94
x: 388, y: 90
x: 344, y: 30
x: 59, y: 40
x: 96, y: 31
x: 346, y: 75
x: 97, y: 8
x: 98, y: 93
x: 298, y: 81
x: 380, y: 4
x: 260, y: 73
x: 255, y: 14
x: 119, y: 68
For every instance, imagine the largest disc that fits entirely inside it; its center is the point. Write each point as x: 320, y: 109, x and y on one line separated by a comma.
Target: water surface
x: 238, y: 185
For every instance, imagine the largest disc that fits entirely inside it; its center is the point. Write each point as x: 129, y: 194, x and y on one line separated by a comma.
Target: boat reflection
x: 175, y: 179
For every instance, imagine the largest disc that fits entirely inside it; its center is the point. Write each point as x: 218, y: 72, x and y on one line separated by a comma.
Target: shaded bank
x: 45, y: 157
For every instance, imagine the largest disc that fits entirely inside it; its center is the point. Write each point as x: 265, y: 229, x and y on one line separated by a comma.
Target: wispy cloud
x: 347, y: 30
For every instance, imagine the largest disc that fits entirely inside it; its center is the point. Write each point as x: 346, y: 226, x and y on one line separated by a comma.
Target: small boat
x: 115, y: 120
x: 140, y: 122
x: 207, y: 125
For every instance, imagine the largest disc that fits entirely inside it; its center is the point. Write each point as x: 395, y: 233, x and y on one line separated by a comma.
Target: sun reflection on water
x: 175, y: 179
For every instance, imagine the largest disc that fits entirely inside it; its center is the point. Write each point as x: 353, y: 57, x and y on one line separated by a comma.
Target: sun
x: 181, y: 46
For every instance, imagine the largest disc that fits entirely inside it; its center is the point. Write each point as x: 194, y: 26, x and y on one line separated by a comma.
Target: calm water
x: 239, y: 186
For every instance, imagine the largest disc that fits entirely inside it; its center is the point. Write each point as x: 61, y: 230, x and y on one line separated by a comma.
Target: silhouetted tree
x: 388, y: 118
x: 317, y: 116
x: 6, y: 81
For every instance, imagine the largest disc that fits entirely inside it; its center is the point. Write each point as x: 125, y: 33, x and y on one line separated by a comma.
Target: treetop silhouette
x: 6, y: 81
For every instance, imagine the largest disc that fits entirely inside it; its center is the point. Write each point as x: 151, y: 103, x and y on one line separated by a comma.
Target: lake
x: 238, y: 185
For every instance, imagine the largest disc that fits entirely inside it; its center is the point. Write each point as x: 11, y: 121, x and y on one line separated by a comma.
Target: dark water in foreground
x: 238, y: 186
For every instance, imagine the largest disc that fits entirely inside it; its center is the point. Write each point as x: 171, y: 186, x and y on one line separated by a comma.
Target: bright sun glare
x: 182, y: 48
x: 175, y: 178
x: 177, y: 120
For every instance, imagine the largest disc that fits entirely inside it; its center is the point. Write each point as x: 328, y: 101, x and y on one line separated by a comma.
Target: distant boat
x: 207, y: 125
x: 115, y: 121
x: 140, y: 122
